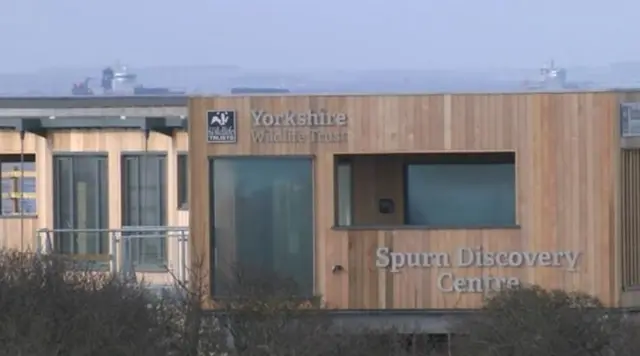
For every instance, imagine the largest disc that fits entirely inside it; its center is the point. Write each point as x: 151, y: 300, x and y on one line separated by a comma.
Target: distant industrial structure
x: 119, y: 81
x: 554, y: 78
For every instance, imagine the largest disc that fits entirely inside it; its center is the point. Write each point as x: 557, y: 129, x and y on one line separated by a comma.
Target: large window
x: 461, y: 190
x: 81, y: 206
x: 262, y: 223
x: 443, y: 190
x: 144, y: 205
x: 183, y: 181
x: 18, y: 184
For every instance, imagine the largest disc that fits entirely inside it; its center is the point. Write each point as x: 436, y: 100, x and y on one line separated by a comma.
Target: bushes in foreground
x: 47, y: 310
x: 533, y: 321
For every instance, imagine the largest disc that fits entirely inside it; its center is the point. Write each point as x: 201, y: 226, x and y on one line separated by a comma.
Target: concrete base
x: 630, y: 299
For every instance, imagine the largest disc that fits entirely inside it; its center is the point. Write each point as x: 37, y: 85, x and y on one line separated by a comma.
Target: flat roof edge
x: 96, y: 101
x: 416, y: 93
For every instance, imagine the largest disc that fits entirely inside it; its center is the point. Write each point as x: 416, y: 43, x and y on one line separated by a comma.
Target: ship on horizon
x: 554, y: 78
x: 119, y: 81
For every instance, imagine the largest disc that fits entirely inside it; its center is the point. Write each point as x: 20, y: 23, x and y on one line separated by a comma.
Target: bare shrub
x: 199, y: 332
x: 265, y: 315
x: 47, y: 310
x: 533, y: 321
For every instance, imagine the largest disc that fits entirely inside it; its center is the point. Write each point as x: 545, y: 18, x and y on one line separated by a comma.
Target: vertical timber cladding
x: 564, y: 144
x: 629, y: 198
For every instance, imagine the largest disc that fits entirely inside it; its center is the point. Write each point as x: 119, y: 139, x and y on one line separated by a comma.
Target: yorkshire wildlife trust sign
x: 478, y: 258
x: 298, y: 127
x: 221, y: 126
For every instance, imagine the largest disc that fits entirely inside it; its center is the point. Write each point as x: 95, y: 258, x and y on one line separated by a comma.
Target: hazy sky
x: 332, y: 34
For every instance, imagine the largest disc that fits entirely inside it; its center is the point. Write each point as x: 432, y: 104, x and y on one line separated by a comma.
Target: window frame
x: 488, y: 157
x: 145, y: 267
x: 18, y: 208
x: 339, y: 160
x: 182, y: 180
x: 96, y: 261
x: 212, y: 227
x: 422, y: 158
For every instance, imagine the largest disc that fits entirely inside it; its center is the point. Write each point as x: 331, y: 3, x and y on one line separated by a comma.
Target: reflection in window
x: 18, y: 184
x: 183, y: 182
x: 343, y: 189
x: 444, y: 190
x: 144, y: 204
x: 457, y: 190
x: 81, y: 204
x: 262, y: 221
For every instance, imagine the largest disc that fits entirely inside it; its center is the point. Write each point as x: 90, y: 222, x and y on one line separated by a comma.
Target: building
x: 99, y: 178
x: 419, y: 202
x: 409, y: 205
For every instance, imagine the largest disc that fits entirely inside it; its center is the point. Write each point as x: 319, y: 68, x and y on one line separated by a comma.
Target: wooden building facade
x: 78, y: 172
x: 417, y: 201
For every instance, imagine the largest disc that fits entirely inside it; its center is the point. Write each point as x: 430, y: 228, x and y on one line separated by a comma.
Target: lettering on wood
x: 475, y: 257
x: 298, y: 127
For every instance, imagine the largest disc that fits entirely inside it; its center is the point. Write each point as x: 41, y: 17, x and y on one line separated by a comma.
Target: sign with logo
x: 298, y: 127
x: 221, y: 126
x: 474, y: 257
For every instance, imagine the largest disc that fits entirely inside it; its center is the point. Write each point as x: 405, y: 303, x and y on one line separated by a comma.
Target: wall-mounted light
x: 52, y: 117
x: 337, y: 268
x: 123, y: 117
x: 182, y: 117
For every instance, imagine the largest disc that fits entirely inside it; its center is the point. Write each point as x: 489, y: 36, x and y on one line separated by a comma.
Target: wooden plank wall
x: 629, y: 222
x: 112, y: 142
x: 565, y: 145
x: 629, y: 208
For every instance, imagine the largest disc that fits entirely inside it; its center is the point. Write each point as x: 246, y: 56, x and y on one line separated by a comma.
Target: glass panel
x: 7, y: 185
x: 7, y: 206
x: 131, y: 192
x: 81, y: 205
x: 15, y: 166
x: 455, y: 195
x: 87, y: 187
x: 7, y: 202
x: 263, y: 221
x: 63, y: 195
x: 102, y: 203
x: 144, y: 197
x: 28, y: 206
x: 12, y: 203
x: 183, y: 184
x: 344, y: 194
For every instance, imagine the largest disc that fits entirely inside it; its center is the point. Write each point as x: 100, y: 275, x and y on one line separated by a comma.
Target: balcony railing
x: 127, y: 250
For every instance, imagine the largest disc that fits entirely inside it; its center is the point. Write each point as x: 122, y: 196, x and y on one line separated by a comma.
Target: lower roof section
x: 42, y: 125
x: 94, y: 101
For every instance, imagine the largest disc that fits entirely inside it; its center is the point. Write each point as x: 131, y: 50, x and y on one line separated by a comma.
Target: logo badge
x: 221, y: 126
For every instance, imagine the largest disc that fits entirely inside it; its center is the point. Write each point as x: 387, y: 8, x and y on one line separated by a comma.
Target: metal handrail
x: 125, y: 228
x: 120, y: 246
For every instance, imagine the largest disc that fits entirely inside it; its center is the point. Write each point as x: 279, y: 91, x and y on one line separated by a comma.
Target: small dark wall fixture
x: 386, y: 206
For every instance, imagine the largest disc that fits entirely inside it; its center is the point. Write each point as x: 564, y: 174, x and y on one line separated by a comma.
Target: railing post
x: 113, y: 252
x: 48, y: 245
x: 185, y: 255
x: 181, y: 261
